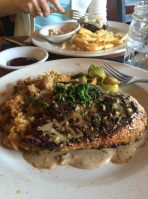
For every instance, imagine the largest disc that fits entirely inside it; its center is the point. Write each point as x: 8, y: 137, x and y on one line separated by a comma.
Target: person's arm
x: 7, y: 7
x: 34, y: 7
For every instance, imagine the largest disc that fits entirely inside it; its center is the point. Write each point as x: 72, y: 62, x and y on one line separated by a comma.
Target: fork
x: 72, y: 14
x: 16, y: 42
x: 123, y: 78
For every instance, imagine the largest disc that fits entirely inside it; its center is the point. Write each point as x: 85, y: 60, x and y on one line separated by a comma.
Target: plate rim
x: 40, y: 64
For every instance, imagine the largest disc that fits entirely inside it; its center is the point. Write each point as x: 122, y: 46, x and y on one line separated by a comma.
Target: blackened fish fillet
x: 110, y: 120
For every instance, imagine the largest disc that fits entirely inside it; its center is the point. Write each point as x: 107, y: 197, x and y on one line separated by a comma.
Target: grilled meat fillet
x: 92, y: 27
x: 116, y: 120
x: 71, y: 121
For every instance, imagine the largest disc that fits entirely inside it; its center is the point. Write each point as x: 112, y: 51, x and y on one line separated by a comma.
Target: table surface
x: 4, y: 44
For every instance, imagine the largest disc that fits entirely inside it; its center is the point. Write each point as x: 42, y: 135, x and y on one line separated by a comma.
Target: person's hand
x: 38, y: 7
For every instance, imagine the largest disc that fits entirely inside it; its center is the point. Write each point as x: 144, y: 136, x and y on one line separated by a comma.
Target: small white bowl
x: 24, y: 51
x: 44, y: 32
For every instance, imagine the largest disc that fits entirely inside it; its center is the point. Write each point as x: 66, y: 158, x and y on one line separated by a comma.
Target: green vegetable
x: 91, y: 106
x: 32, y: 100
x: 59, y: 87
x: 78, y: 75
x: 60, y: 90
x: 44, y: 104
x: 27, y: 116
x: 83, y: 112
x: 37, y: 104
x: 102, y: 106
x: 97, y: 117
x: 80, y: 93
x: 96, y: 71
x: 114, y: 105
x: 83, y: 80
x: 109, y: 87
x: 110, y: 80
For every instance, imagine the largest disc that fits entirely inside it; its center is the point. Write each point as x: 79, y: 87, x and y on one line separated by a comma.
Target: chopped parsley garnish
x: 79, y: 93
x: 99, y: 100
x: 91, y: 106
x: 59, y: 87
x: 32, y: 99
x: 27, y: 116
x: 97, y: 118
x: 82, y: 112
x: 44, y: 104
x: 60, y: 90
x: 83, y: 94
x: 62, y: 95
x: 37, y: 104
x: 102, y: 106
x: 114, y: 105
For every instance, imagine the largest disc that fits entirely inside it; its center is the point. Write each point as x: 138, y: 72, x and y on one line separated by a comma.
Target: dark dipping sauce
x: 22, y: 61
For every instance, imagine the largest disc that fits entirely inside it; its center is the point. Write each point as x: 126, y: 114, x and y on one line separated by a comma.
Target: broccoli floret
x: 96, y: 71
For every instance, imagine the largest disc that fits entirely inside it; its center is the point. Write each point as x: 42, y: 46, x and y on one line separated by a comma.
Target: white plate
x: 109, y: 182
x: 56, y: 48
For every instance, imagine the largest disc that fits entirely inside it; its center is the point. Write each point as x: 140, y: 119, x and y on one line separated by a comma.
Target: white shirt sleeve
x: 81, y: 5
x: 98, y: 7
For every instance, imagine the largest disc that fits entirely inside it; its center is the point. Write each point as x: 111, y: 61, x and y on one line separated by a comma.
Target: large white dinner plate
x: 18, y: 179
x: 56, y: 48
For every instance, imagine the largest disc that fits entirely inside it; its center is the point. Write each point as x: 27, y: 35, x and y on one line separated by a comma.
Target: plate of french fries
x: 88, y: 44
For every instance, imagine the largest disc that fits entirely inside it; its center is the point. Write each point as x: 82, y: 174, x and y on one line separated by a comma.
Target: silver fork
x: 16, y: 42
x: 72, y: 14
x: 123, y: 78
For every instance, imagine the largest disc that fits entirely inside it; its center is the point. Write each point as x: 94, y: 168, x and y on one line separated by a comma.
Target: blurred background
x: 7, y: 23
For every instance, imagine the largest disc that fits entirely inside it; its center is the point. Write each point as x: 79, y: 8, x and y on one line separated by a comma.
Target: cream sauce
x: 56, y: 135
x: 85, y: 158
x: 48, y: 129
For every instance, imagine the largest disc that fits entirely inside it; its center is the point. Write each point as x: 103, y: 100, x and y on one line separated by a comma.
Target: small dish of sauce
x: 22, y: 61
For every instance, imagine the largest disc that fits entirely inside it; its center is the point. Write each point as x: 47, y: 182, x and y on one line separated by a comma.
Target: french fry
x: 94, y: 48
x: 64, y: 44
x: 125, y: 37
x: 85, y: 40
x: 107, y: 46
x: 78, y: 41
x: 117, y: 42
x: 118, y: 35
x: 72, y: 47
x: 100, y: 32
x: 89, y: 39
x: 85, y: 31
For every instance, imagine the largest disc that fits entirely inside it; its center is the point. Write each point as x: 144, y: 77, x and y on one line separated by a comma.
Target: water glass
x: 136, y: 52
